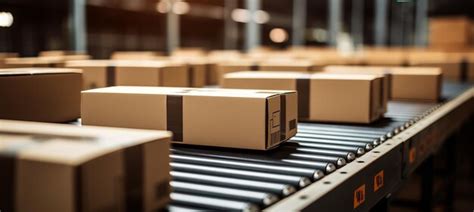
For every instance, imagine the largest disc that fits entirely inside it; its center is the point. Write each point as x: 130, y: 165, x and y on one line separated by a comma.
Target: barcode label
x: 274, y: 138
x: 292, y: 124
x: 162, y: 190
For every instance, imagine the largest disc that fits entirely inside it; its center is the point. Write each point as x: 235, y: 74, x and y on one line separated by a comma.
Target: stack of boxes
x: 261, y: 98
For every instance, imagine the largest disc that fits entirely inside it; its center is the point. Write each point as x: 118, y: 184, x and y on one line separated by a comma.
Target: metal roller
x: 259, y: 198
x: 297, y: 181
x: 336, y: 137
x: 356, y: 150
x: 366, y: 146
x: 275, y: 188
x: 337, y: 161
x: 347, y: 134
x: 213, y: 203
x: 271, y: 161
x: 180, y: 208
x: 330, y: 167
x: 349, y: 156
x: 373, y: 141
x: 310, y: 173
x: 341, y: 129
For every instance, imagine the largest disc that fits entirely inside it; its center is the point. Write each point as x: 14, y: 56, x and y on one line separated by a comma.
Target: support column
x: 421, y: 23
x: 380, y: 22
x: 357, y: 23
x: 230, y: 26
x: 252, y: 29
x: 299, y: 22
x: 334, y: 20
x: 172, y: 28
x: 77, y: 25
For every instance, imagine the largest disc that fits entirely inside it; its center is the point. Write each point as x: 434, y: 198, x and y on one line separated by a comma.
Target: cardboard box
x: 286, y: 65
x: 469, y: 66
x: 25, y: 62
x: 4, y: 56
x: 449, y: 65
x: 321, y: 97
x: 51, y: 61
x: 135, y: 55
x: 385, y: 58
x: 104, y: 73
x: 40, y: 94
x: 375, y: 70
x: 197, y: 71
x: 402, y: 81
x: 449, y: 31
x: 234, y: 66
x: 237, y: 120
x: 211, y: 74
x: 288, y: 108
x: 68, y: 168
x: 419, y: 84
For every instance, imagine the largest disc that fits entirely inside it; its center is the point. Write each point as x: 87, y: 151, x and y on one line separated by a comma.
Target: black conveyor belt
x: 227, y: 179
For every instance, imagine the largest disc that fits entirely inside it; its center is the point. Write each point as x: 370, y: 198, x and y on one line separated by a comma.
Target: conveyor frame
x: 397, y: 157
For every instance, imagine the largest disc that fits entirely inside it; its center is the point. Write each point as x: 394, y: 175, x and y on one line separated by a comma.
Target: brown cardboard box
x: 198, y: 70
x: 385, y: 58
x: 4, y: 56
x: 238, y: 120
x: 375, y: 70
x: 188, y: 52
x: 413, y: 83
x: 402, y: 81
x: 103, y: 73
x: 57, y: 61
x: 40, y: 94
x: 449, y: 65
x: 234, y: 66
x: 322, y: 59
x: 25, y: 62
x: 288, y: 108
x: 82, y: 168
x: 449, y: 31
x: 286, y: 65
x: 135, y: 55
x: 62, y: 53
x: 469, y: 63
x: 211, y: 73
x: 321, y: 97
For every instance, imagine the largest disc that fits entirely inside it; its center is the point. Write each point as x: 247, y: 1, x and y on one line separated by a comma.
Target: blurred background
x: 101, y: 27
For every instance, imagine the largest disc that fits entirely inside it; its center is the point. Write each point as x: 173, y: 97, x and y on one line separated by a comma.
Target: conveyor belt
x: 225, y: 179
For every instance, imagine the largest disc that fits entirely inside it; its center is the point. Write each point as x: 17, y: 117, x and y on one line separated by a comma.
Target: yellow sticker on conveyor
x: 359, y: 196
x: 378, y: 181
x: 412, y: 155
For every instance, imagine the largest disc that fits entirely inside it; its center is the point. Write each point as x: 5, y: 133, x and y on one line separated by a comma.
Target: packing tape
x: 303, y: 88
x: 110, y: 76
x: 282, y: 117
x: 174, y: 116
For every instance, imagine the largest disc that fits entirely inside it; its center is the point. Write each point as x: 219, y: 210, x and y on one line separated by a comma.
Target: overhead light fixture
x: 181, y: 7
x: 240, y: 15
x: 163, y: 6
x: 244, y: 15
x: 6, y: 19
x: 278, y: 35
x: 261, y: 17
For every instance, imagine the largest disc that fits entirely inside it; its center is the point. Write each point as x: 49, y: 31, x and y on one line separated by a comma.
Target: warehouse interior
x: 236, y: 105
